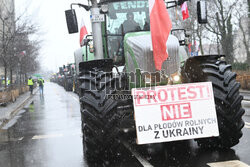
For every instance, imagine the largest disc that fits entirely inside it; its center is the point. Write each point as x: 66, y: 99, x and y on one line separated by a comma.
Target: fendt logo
x: 176, y: 111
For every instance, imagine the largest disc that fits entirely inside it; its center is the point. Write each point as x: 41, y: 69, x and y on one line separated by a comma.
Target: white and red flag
x: 189, y: 47
x: 160, y: 27
x: 83, y: 32
x: 184, y: 10
x: 23, y: 53
x: 197, y: 49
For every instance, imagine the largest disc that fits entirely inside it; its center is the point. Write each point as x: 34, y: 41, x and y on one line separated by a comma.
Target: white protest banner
x: 175, y: 112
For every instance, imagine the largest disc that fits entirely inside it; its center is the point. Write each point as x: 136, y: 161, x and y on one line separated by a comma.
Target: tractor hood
x: 138, y: 52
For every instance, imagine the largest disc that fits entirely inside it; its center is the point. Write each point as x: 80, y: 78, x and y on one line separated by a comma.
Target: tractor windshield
x: 124, y: 17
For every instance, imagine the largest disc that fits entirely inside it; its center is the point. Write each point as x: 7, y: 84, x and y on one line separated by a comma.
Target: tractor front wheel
x: 100, y: 114
x: 226, y: 95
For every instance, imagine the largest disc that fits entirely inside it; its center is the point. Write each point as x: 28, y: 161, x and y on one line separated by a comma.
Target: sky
x: 57, y: 47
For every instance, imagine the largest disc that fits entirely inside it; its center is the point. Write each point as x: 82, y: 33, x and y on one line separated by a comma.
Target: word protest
x: 175, y: 112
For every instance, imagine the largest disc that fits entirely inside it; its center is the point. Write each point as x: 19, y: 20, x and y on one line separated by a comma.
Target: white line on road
x: 247, y: 126
x: 144, y: 162
x: 46, y: 136
x: 74, y: 98
x: 21, y: 138
x: 247, y: 123
x: 77, y: 134
x: 233, y: 163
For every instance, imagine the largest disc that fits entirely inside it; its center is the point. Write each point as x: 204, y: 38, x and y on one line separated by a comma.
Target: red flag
x: 189, y: 47
x: 184, y: 10
x: 160, y: 26
x: 23, y: 53
x: 83, y: 32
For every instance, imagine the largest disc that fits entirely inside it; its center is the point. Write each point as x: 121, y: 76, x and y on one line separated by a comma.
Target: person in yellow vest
x: 41, y: 83
x: 3, y: 82
x: 8, y: 82
x: 31, y: 84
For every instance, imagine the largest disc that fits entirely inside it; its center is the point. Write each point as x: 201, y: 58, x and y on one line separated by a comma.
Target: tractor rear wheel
x: 100, y: 114
x: 226, y: 95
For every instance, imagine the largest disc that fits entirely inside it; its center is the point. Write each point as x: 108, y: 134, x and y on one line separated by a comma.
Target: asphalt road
x: 47, y: 132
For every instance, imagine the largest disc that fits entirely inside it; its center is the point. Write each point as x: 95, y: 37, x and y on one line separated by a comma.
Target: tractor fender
x: 202, y: 58
x: 192, y: 64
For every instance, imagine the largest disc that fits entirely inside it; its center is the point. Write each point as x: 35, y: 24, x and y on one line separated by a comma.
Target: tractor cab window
x: 125, y: 17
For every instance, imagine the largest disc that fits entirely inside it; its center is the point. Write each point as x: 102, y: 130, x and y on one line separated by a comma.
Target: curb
x: 244, y: 91
x: 17, y: 109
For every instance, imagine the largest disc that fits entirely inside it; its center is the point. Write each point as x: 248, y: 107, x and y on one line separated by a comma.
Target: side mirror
x: 71, y: 21
x: 202, y: 12
x: 181, y: 34
x: 85, y: 41
x: 188, y: 34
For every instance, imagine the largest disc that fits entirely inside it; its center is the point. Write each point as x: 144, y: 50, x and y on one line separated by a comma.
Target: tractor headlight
x: 154, y: 78
x: 91, y: 48
x: 176, y: 78
x: 147, y: 79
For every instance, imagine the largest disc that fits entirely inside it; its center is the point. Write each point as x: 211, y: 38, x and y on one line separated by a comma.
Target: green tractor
x: 69, y: 77
x: 82, y: 54
x: 122, y: 60
x: 60, y: 77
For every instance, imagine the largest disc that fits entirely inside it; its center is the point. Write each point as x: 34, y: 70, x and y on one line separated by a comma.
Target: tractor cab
x: 112, y: 20
x: 129, y: 39
x: 124, y: 17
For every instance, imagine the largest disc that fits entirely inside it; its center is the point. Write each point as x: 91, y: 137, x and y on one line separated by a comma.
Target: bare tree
x: 15, y: 40
x: 248, y: 3
x: 7, y: 28
x: 196, y: 30
x: 242, y: 35
x: 220, y: 24
x: 246, y: 39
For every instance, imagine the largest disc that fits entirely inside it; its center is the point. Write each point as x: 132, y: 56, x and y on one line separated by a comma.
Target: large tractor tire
x: 226, y: 94
x: 101, y: 114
